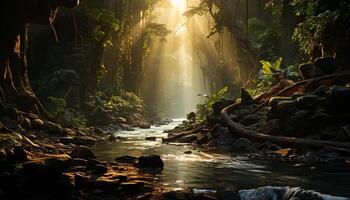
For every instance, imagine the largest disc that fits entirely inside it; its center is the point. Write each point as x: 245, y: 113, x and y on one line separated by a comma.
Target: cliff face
x: 14, y: 15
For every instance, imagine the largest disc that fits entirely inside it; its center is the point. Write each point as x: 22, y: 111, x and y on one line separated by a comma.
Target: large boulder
x: 242, y: 144
x: 18, y: 155
x: 151, y: 161
x: 45, y: 168
x: 54, y: 129
x: 84, y: 140
x: 326, y: 64
x: 37, y: 124
x: 145, y: 125
x: 82, y: 152
x: 246, y: 98
x: 220, y: 105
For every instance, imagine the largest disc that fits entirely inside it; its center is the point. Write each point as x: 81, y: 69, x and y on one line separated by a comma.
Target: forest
x: 175, y: 99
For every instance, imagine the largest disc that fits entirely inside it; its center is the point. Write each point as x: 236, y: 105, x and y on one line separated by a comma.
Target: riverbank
x: 194, y: 167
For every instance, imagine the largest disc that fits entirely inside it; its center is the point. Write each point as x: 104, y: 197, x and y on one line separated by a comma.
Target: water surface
x: 211, y: 169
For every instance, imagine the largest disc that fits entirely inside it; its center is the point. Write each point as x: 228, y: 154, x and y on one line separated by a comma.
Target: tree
x: 15, y: 88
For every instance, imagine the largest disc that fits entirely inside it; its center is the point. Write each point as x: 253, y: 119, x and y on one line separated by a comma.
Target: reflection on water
x: 217, y: 168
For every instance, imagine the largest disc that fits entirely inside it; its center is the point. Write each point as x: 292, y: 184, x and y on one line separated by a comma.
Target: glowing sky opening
x: 179, y: 4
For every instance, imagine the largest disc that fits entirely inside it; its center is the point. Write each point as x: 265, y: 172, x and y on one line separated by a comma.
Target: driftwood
x: 242, y: 131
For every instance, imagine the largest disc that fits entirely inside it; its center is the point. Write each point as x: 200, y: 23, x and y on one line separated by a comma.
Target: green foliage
x: 265, y: 38
x: 99, y: 24
x: 326, y: 24
x: 56, y: 105
x: 269, y: 75
x: 79, y: 120
x: 270, y: 68
x: 125, y: 104
x: 205, y: 109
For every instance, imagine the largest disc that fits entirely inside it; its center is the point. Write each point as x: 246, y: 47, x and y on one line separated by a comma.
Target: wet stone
x: 132, y: 187
x: 100, y: 169
x: 151, y: 161
x: 126, y: 159
x: 82, y: 152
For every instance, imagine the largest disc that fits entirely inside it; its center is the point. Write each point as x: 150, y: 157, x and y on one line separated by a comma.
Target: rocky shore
x: 306, y: 123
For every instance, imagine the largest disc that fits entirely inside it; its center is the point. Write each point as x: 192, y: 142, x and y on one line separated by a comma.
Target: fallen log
x: 328, y: 80
x: 242, y: 131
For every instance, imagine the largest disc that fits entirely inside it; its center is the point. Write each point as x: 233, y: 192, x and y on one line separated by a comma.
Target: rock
x: 81, y: 180
x: 145, y: 125
x: 79, y: 162
x: 99, y: 131
x: 10, y: 140
x: 326, y: 64
x: 25, y: 123
x: 126, y: 127
x: 82, y: 152
x: 58, y: 162
x: 151, y: 161
x: 66, y: 140
x: 37, y: 124
x: 311, y: 101
x: 19, y: 155
x: 182, y: 194
x: 151, y: 138
x: 339, y: 100
x: 273, y: 102
x: 305, y: 70
x: 45, y: 168
x: 188, y: 138
x: 112, y: 138
x: 7, y: 123
x: 220, y: 105
x: 126, y: 159
x: 122, y: 120
x: 100, y: 169
x: 100, y: 117
x: 228, y: 194
x: 84, y: 140
x: 3, y: 156
x: 249, y: 120
x: 54, y: 129
x: 132, y: 188
x: 246, y: 99
x: 242, y: 144
x: 188, y: 152
x: 66, y: 184
x: 270, y: 127
x: 92, y: 163
x: 106, y: 184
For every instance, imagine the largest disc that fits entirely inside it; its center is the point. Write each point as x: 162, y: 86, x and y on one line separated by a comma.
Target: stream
x: 214, y: 168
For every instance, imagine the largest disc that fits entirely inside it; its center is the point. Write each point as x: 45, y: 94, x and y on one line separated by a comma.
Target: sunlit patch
x: 179, y: 4
x: 180, y: 29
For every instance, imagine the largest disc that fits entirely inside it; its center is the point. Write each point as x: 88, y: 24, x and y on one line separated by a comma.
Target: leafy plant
x: 56, y: 105
x: 266, y: 77
x: 326, y: 25
x: 125, y: 104
x: 265, y: 38
x: 205, y: 109
x: 99, y: 24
